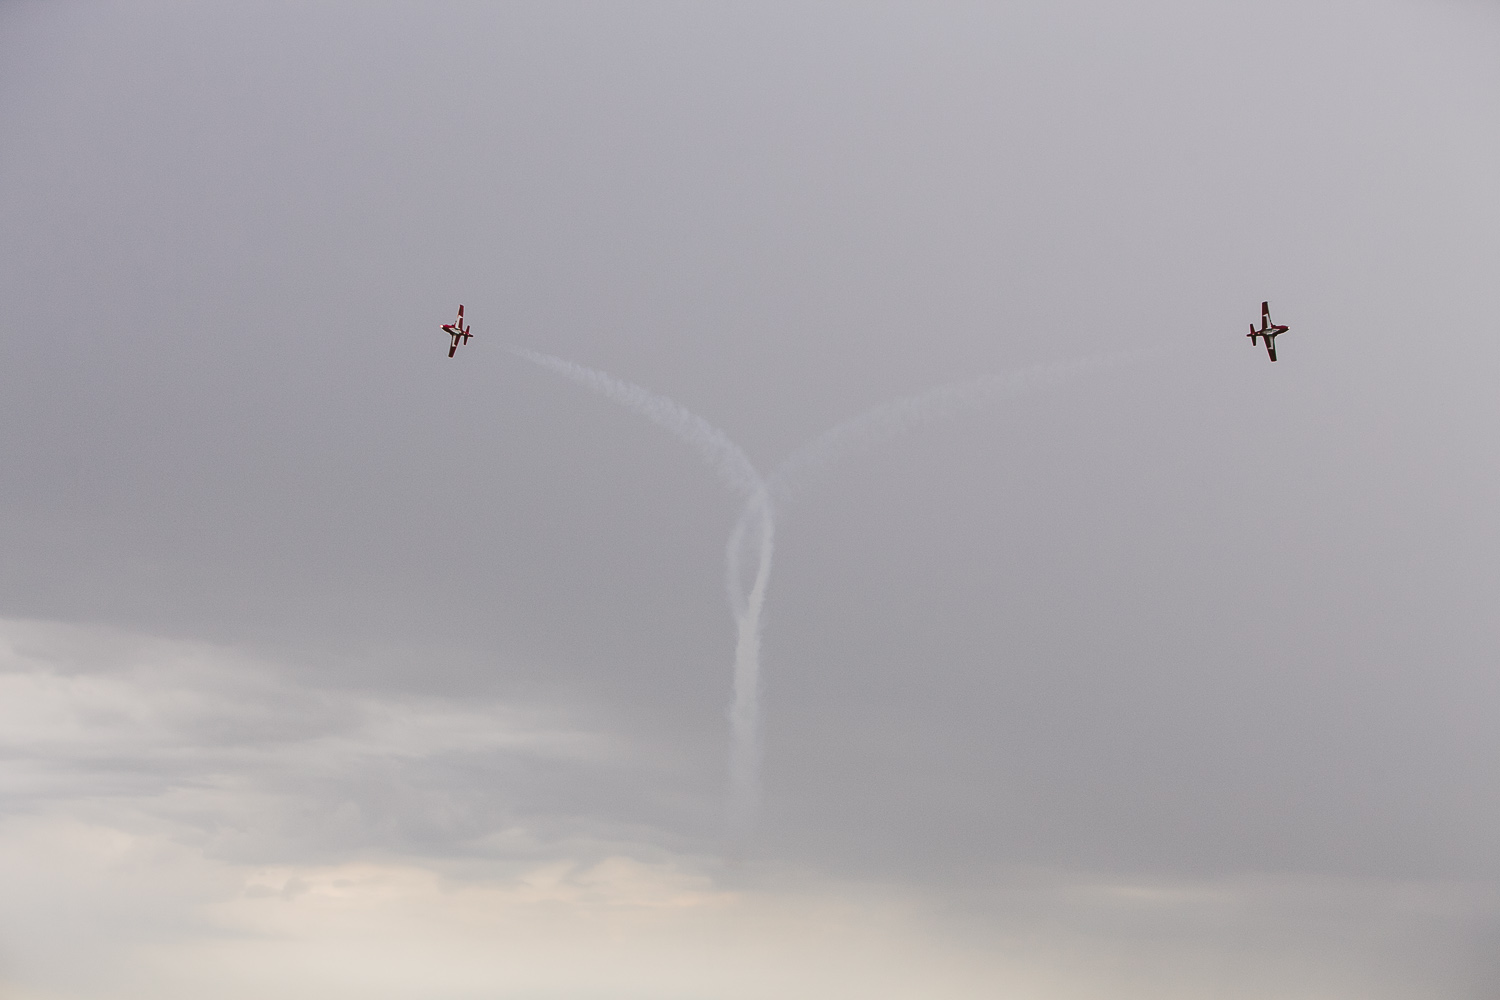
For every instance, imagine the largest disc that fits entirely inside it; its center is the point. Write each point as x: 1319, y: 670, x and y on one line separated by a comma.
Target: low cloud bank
x: 198, y: 822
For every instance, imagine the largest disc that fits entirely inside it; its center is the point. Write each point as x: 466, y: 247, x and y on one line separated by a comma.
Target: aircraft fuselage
x: 1268, y: 330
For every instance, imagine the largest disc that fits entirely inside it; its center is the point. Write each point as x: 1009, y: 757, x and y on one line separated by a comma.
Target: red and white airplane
x: 1266, y: 330
x: 460, y: 332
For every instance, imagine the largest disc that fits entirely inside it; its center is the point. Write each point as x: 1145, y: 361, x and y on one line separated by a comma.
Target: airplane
x: 1266, y: 330
x: 458, y: 330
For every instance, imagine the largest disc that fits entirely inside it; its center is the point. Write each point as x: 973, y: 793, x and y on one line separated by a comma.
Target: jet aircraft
x: 458, y: 331
x: 1267, y: 330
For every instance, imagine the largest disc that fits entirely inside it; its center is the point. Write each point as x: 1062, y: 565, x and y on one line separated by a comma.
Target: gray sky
x: 328, y: 663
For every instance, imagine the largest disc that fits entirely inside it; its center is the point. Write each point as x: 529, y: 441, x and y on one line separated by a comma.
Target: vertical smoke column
x: 744, y: 710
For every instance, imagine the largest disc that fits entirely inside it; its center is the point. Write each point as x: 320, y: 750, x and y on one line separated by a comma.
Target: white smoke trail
x: 727, y: 458
x: 879, y: 424
x: 744, y: 710
x: 740, y: 475
x: 899, y: 417
x: 860, y: 433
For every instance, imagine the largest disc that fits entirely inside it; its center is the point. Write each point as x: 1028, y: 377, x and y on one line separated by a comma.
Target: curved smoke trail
x: 888, y: 421
x: 857, y: 434
x: 713, y: 445
x: 740, y: 475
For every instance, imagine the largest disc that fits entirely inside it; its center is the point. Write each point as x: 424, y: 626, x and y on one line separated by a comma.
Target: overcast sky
x: 1124, y: 663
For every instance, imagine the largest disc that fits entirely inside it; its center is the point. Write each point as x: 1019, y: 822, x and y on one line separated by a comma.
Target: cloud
x: 198, y: 821
x: 159, y: 919
x: 236, y: 751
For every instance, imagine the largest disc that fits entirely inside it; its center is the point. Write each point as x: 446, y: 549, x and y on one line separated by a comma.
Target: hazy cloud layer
x: 194, y: 821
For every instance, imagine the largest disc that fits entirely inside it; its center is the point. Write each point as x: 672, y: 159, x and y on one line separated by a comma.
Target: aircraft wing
x: 1265, y: 314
